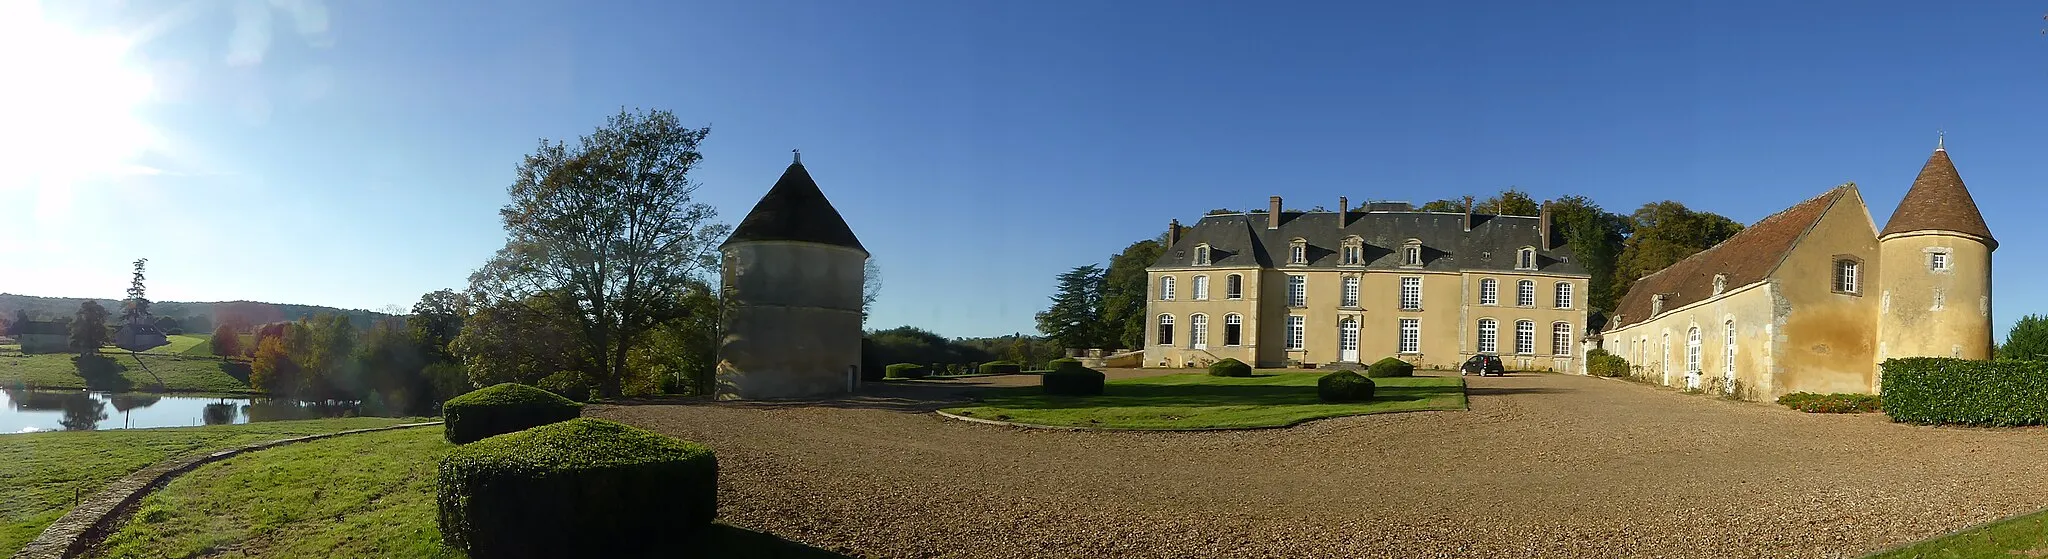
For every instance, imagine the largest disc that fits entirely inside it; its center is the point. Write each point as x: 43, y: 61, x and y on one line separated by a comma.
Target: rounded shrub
x: 1229, y: 367
x: 1390, y: 367
x: 1344, y: 386
x: 501, y: 409
x: 1603, y: 364
x: 1001, y: 368
x: 907, y: 370
x: 1069, y: 378
x: 580, y: 488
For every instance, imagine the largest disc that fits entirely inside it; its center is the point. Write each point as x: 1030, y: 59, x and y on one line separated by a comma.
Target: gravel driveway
x: 1543, y: 465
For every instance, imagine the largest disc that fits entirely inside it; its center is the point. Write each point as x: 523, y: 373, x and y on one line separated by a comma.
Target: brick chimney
x: 1343, y: 211
x: 1273, y: 213
x: 1172, y: 233
x: 1543, y: 225
x: 1468, y: 214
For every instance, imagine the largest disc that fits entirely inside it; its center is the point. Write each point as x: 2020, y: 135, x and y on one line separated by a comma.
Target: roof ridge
x: 1837, y: 193
x: 1747, y: 228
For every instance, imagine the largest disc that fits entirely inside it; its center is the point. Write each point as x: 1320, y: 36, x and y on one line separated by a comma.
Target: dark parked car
x: 1482, y: 365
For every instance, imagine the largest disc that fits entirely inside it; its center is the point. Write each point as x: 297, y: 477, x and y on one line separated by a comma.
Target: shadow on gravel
x: 1504, y: 391
x: 724, y: 540
x: 895, y: 397
x: 1140, y: 395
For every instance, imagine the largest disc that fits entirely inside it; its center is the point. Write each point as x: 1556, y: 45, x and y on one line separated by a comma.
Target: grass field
x: 2025, y: 536
x: 120, y: 372
x: 205, y: 346
x: 1200, y: 401
x: 45, y: 471
x: 369, y: 495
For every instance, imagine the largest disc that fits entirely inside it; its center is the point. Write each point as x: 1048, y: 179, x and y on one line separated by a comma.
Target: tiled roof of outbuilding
x: 1938, y: 201
x: 795, y: 210
x: 1746, y: 258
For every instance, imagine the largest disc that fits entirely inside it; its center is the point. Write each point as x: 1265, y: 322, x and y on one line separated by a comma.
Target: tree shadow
x: 725, y: 540
x: 239, y: 370
x: 1195, y: 395
x: 1504, y: 391
x: 102, y: 373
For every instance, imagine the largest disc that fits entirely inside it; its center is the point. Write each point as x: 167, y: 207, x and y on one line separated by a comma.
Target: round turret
x: 1934, y: 272
x: 792, y: 277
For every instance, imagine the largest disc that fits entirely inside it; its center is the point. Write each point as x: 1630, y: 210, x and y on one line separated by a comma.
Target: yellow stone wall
x: 1910, y: 324
x: 1748, y: 308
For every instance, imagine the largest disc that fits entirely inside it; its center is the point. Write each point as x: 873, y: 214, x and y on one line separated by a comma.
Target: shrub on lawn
x: 1229, y: 367
x: 1344, y: 386
x: 581, y: 488
x: 573, y: 385
x: 1842, y: 402
x: 1945, y: 390
x: 908, y: 370
x: 503, y: 409
x: 1603, y: 364
x: 1390, y: 367
x: 1001, y: 368
x: 1069, y: 378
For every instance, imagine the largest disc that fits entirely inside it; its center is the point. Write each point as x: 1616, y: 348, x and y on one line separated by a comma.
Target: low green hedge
x: 1344, y: 386
x: 1840, y: 402
x: 580, y: 488
x: 1390, y: 367
x: 1001, y: 368
x: 1229, y: 367
x: 1069, y: 378
x: 907, y: 370
x: 501, y: 409
x: 1934, y: 390
x: 1600, y: 363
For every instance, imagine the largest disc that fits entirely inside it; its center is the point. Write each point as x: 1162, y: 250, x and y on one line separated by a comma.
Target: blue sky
x: 355, y: 153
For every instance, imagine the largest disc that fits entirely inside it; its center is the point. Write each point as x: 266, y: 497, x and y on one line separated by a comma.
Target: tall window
x: 1845, y: 275
x: 1411, y: 293
x: 1297, y: 291
x: 1489, y: 291
x: 1525, y: 293
x: 1937, y: 261
x: 1233, y: 287
x: 1525, y: 337
x: 1411, y: 255
x: 1664, y: 364
x: 1728, y: 349
x: 1526, y: 258
x: 1489, y: 336
x: 1350, y: 291
x: 1561, y: 338
x: 1201, y: 255
x: 1411, y: 335
x: 1294, y: 331
x: 1201, y: 288
x: 1297, y: 252
x: 1564, y: 295
x: 1198, y: 331
x: 1166, y: 288
x: 1233, y: 329
x: 1354, y: 251
x: 1165, y: 330
x: 1692, y: 350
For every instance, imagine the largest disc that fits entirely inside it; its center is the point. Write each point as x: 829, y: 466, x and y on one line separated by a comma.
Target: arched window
x: 1165, y: 330
x: 1489, y: 336
x: 1664, y: 364
x: 1233, y: 287
x: 1525, y: 293
x: 1350, y: 291
x: 1233, y: 329
x: 1202, y: 255
x: 1564, y: 295
x: 1489, y: 291
x: 1297, y: 252
x: 1354, y: 251
x: 1561, y: 338
x: 1846, y: 275
x: 1198, y: 331
x: 1201, y: 288
x: 1525, y: 337
x: 1728, y: 349
x: 1166, y: 288
x: 1525, y: 259
x: 1411, y: 253
x: 1692, y: 351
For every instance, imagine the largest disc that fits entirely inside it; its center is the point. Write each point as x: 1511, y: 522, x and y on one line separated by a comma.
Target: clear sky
x: 355, y: 153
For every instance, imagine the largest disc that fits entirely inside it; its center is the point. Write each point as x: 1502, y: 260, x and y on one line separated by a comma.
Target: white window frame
x: 1411, y: 293
x: 1202, y: 255
x: 1166, y: 288
x: 1296, y: 325
x: 1354, y: 252
x: 1525, y: 293
x: 1233, y: 320
x: 1561, y: 338
x: 1198, y: 331
x: 1351, y: 291
x: 1728, y: 348
x: 1411, y: 255
x: 1202, y: 288
x: 1347, y: 343
x: 1940, y: 261
x: 1489, y: 336
x: 1233, y: 287
x: 1525, y: 258
x: 1164, y: 335
x: 1847, y: 276
x: 1297, y: 252
x: 1411, y: 336
x: 1692, y: 351
x: 1525, y: 337
x: 1563, y: 294
x: 1297, y: 290
x: 1489, y: 291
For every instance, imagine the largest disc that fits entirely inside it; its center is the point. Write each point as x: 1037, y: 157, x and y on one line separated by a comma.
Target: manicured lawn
x: 205, y: 346
x: 120, y: 373
x: 1200, y: 401
x: 180, y: 344
x: 44, y: 471
x: 369, y: 495
x: 2025, y: 536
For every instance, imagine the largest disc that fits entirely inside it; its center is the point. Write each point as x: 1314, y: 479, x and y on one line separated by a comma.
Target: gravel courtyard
x: 1542, y: 466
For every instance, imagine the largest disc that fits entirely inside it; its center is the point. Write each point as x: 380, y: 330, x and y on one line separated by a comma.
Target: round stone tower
x: 791, y: 276
x: 1934, y: 270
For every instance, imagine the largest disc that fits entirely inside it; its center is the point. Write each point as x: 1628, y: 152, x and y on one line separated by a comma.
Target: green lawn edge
x: 2024, y: 535
x: 1266, y: 401
x: 120, y: 372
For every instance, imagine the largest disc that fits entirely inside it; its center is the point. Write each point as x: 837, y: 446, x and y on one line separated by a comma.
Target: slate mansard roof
x: 1242, y: 240
x: 795, y: 210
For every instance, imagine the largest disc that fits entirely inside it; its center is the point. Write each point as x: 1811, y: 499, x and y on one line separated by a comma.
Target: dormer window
x: 1202, y: 255
x: 1354, y: 251
x: 1720, y: 283
x: 1411, y: 253
x: 1525, y: 259
x: 1297, y: 252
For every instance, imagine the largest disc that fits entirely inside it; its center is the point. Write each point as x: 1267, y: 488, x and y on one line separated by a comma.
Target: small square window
x: 1938, y: 261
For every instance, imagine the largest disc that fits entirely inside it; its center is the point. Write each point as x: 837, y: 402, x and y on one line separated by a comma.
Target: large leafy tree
x: 1512, y: 201
x: 1661, y: 234
x: 1124, y: 292
x: 89, y: 328
x: 521, y: 340
x: 870, y: 288
x: 436, y: 320
x: 608, y: 225
x: 2027, y: 340
x: 680, y: 356
x: 1595, y: 236
x: 1447, y: 205
x: 227, y: 342
x: 1075, y: 318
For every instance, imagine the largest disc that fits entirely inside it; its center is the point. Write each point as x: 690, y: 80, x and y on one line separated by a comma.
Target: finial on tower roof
x: 796, y: 157
x: 1941, y: 140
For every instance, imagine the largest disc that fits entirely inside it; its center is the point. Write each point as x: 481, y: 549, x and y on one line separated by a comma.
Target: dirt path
x: 1542, y: 466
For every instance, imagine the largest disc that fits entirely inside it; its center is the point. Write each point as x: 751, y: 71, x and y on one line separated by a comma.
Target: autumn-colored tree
x: 227, y: 342
x: 273, y: 370
x: 1661, y: 234
x: 1447, y: 205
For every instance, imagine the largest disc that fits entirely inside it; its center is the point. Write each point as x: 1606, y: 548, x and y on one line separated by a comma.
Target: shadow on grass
x: 724, y: 540
x: 1196, y: 395
x: 102, y: 373
x: 238, y: 369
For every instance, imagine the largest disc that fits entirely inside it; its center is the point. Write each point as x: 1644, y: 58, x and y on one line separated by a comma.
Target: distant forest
x: 192, y: 317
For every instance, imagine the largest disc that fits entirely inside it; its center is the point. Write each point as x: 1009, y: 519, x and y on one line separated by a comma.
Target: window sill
x: 1233, y: 298
x: 1411, y: 309
x: 1849, y: 293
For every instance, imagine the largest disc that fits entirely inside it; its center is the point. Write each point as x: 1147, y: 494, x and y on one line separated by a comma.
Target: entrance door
x: 1347, y: 340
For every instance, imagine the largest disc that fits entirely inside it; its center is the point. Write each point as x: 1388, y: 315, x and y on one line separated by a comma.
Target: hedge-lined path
x: 1542, y: 465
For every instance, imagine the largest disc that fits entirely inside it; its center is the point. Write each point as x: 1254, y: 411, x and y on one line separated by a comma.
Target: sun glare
x: 68, y: 113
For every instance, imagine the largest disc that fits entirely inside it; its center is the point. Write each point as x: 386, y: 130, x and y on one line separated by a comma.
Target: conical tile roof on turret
x: 795, y: 210
x: 1939, y: 202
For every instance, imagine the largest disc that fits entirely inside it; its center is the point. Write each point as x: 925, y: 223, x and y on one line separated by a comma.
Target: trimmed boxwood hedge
x: 501, y: 409
x: 1840, y: 402
x: 1390, y: 367
x: 1932, y: 390
x: 1069, y: 378
x: 1344, y: 386
x: 1001, y: 368
x: 1229, y: 367
x: 908, y: 370
x: 580, y: 488
x: 1600, y: 363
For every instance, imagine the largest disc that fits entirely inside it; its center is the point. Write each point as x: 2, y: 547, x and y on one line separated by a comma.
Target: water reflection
x: 77, y: 410
x: 219, y: 414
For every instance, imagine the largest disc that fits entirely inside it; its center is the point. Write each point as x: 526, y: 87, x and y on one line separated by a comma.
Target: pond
x: 29, y: 411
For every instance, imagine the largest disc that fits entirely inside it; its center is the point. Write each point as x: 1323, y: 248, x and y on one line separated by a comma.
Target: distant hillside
x: 244, y: 312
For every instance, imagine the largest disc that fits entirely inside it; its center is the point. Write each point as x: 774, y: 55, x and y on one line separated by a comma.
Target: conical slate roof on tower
x: 795, y: 210
x: 1939, y: 202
